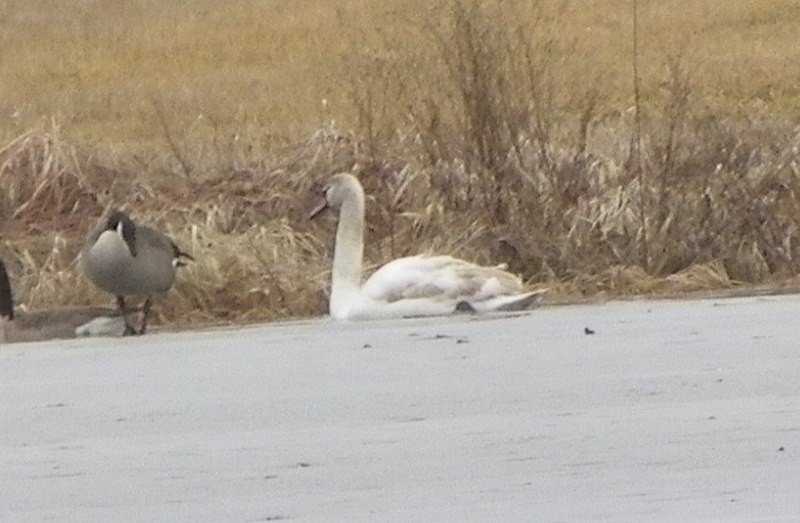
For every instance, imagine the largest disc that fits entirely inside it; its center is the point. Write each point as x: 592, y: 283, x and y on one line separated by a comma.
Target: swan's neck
x: 348, y: 254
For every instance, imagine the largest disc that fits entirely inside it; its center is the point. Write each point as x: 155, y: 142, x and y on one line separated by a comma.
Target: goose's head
x: 121, y: 223
x: 339, y: 189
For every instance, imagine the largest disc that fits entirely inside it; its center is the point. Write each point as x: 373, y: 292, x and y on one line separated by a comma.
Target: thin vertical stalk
x: 636, y: 142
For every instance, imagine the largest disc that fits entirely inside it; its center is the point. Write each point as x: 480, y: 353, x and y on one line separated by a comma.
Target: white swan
x: 411, y: 286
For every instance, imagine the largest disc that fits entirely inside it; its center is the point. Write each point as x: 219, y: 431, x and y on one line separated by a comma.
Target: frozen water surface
x: 670, y: 411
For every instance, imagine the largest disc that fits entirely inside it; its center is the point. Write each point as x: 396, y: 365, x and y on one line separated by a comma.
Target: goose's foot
x: 465, y: 306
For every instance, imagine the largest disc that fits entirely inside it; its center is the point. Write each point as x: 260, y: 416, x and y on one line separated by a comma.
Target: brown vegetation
x: 495, y: 131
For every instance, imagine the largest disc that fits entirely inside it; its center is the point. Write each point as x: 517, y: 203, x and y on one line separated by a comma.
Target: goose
x: 127, y: 259
x: 412, y: 286
x: 53, y: 323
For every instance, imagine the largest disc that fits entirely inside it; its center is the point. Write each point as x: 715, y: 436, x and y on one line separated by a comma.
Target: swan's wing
x: 438, y: 278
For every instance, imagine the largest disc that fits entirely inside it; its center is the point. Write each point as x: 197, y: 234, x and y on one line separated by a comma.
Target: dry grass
x: 497, y: 131
x: 254, y: 67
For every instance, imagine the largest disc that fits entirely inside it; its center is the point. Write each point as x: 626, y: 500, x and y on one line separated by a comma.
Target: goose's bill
x: 321, y: 206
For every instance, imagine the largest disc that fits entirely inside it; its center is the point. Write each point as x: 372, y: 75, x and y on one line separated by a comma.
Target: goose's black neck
x: 121, y: 222
x: 6, y: 298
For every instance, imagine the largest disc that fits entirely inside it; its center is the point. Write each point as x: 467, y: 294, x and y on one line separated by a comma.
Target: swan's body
x: 126, y: 259
x: 53, y: 323
x: 411, y: 286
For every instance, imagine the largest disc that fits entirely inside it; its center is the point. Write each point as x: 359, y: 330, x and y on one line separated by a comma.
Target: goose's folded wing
x: 161, y: 243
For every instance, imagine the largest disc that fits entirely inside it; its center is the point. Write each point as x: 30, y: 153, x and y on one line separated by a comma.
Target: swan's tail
x: 516, y: 302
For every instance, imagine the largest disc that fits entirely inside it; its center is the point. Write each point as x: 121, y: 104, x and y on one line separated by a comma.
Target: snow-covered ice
x: 670, y: 411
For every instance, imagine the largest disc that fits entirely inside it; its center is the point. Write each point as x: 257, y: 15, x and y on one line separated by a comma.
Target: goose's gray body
x: 108, y: 262
x: 126, y: 259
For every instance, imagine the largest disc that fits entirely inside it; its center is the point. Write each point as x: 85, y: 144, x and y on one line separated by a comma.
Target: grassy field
x: 496, y: 131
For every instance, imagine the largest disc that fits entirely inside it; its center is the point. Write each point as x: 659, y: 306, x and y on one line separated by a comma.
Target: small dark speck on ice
x: 588, y: 331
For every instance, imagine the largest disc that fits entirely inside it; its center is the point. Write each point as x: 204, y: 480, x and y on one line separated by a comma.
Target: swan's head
x: 342, y: 186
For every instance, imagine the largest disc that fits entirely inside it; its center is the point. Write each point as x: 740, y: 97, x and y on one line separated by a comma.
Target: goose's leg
x: 148, y: 303
x: 129, y: 330
x: 465, y: 306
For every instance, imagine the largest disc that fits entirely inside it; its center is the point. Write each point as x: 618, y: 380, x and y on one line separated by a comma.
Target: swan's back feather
x: 438, y: 277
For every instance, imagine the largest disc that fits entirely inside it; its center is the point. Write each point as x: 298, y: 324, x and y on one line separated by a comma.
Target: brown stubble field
x: 495, y: 131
